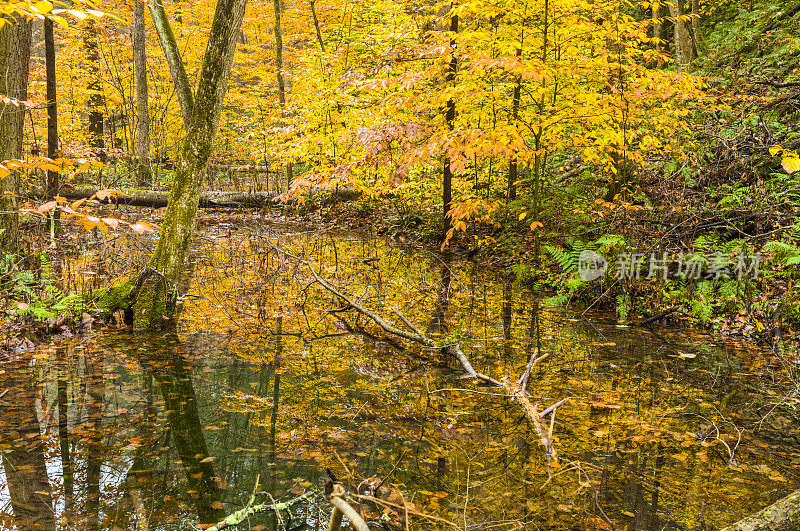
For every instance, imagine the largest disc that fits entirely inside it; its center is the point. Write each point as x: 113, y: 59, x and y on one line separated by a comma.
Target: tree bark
x: 97, y: 100
x: 142, y: 108
x: 698, y: 37
x: 15, y: 51
x: 183, y: 89
x: 684, y: 51
x: 450, y: 116
x: 154, y: 292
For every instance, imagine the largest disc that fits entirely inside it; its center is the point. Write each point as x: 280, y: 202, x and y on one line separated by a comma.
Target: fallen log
x: 783, y: 515
x: 247, y: 168
x: 159, y: 199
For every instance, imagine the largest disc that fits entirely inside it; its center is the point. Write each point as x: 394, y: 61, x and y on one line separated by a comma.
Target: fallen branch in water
x: 334, y: 492
x: 658, y: 316
x: 239, y: 516
x: 513, y: 392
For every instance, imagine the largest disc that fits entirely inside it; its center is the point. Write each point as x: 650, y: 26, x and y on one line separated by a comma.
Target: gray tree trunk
x: 684, y: 51
x: 183, y: 89
x: 142, y: 108
x: 15, y: 52
x: 154, y: 292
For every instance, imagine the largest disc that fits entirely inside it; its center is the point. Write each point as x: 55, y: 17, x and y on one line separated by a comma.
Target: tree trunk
x: 513, y: 169
x: 657, y: 25
x: 697, y: 37
x: 154, y: 292
x: 97, y: 101
x: 183, y: 89
x: 450, y: 116
x: 142, y: 108
x: 783, y: 515
x: 684, y: 52
x: 51, y: 182
x: 15, y: 51
x: 279, y: 77
x: 316, y: 27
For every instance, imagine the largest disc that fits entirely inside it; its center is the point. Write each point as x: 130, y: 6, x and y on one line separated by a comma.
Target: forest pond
x: 262, y: 387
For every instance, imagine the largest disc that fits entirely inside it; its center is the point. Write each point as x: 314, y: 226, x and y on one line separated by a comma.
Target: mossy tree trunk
x: 152, y: 295
x: 15, y: 52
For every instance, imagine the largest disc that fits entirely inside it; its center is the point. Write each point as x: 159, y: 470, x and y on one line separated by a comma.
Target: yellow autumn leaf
x: 522, y: 216
x: 43, y: 6
x: 791, y: 164
x: 774, y: 150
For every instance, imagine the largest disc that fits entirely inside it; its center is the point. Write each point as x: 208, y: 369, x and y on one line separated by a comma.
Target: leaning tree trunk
x: 151, y: 296
x: 15, y: 52
x: 783, y: 515
x: 142, y: 109
x: 170, y: 46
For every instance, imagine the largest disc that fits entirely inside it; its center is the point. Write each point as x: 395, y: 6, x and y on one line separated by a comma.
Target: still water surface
x: 261, y: 387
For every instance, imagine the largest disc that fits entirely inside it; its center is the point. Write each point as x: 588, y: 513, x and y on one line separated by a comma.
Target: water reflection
x: 23, y: 449
x: 170, y: 430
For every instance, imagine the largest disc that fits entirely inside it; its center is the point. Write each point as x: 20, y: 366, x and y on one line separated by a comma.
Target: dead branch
x: 513, y: 391
x: 334, y: 492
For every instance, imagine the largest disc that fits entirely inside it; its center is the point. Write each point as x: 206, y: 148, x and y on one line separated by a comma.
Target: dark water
x: 261, y: 388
